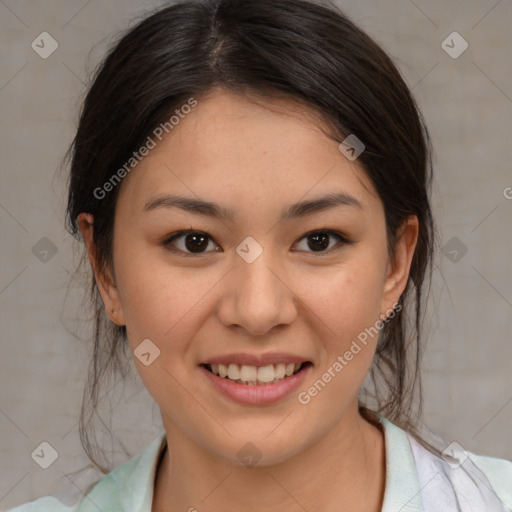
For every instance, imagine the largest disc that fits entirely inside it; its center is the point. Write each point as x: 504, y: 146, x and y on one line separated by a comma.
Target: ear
x: 398, y: 268
x: 106, y: 284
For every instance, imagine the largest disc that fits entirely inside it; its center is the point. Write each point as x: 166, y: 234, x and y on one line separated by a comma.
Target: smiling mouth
x: 256, y: 375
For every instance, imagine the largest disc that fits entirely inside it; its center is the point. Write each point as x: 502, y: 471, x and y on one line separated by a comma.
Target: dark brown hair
x: 297, y: 49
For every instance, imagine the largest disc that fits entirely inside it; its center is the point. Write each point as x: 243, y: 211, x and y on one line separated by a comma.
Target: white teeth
x: 266, y: 373
x: 223, y: 371
x: 247, y: 374
x: 234, y: 371
x: 280, y: 370
x: 290, y: 368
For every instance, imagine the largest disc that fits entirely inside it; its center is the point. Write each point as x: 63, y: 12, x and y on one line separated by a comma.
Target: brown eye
x: 319, y: 241
x: 189, y: 242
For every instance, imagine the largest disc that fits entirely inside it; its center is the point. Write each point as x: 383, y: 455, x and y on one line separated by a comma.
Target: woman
x: 251, y: 181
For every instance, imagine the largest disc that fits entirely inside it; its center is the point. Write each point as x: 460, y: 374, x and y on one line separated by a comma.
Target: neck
x: 345, y: 470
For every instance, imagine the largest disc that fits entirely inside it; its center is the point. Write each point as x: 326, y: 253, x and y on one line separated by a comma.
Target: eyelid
x: 342, y: 238
x: 167, y: 242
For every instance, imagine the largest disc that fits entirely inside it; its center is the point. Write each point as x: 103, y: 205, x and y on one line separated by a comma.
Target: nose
x: 257, y: 297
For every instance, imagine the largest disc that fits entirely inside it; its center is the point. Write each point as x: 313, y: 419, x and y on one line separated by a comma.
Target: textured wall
x: 467, y: 104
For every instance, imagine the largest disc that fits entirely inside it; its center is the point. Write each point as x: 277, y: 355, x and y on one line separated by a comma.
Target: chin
x: 258, y: 451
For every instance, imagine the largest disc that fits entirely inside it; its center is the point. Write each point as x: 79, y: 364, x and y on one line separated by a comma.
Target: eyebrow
x: 206, y: 208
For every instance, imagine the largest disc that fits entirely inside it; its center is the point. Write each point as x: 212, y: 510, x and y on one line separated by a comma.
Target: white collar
x: 416, y: 479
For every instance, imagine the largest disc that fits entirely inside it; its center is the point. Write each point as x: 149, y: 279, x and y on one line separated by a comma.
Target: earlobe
x: 106, y: 284
x: 398, y: 269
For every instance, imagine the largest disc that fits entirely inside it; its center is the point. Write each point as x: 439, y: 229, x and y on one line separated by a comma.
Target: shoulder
x: 499, y: 473
x: 46, y: 504
x: 128, y: 488
x: 464, y: 478
x: 103, y: 495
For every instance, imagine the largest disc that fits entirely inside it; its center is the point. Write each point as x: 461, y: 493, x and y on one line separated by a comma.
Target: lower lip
x: 257, y: 394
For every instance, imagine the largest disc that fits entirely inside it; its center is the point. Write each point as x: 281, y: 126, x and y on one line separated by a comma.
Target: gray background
x: 467, y: 104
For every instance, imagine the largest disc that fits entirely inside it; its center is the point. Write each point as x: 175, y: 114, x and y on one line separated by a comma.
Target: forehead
x: 245, y: 152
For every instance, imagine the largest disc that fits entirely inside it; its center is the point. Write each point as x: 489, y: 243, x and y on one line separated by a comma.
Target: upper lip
x: 256, y: 359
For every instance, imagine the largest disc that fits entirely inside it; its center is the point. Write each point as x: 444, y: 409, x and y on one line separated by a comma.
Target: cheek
x: 346, y: 308
x: 161, y: 303
x: 165, y: 305
x: 346, y: 300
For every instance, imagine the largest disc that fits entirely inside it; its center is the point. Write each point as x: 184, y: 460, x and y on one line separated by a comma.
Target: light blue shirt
x: 416, y: 481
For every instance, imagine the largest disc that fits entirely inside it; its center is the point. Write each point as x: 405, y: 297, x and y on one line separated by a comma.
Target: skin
x: 255, y: 157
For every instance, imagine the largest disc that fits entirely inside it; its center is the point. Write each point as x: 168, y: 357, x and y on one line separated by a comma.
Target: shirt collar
x: 136, y: 482
x: 402, y: 490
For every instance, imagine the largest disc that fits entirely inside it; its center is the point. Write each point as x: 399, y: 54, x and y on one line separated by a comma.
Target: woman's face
x: 254, y: 286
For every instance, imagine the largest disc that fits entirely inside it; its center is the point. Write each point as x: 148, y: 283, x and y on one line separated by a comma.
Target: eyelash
x: 342, y: 241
